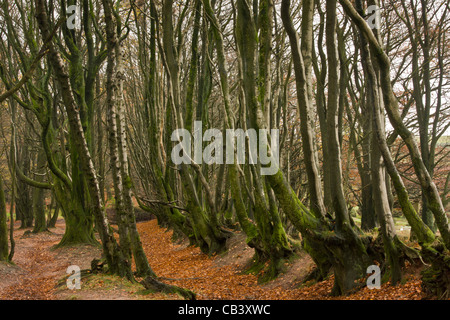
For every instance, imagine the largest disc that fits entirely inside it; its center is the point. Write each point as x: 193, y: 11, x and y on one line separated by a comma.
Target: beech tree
x: 4, y: 247
x: 339, y: 106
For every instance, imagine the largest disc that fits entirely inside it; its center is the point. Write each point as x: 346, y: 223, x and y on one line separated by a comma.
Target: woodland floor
x: 39, y: 272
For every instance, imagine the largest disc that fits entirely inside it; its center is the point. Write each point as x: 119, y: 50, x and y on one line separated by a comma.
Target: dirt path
x: 221, y: 277
x: 218, y: 277
x: 38, y: 266
x: 30, y: 278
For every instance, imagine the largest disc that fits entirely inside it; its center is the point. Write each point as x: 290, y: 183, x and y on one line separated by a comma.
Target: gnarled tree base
x: 269, y: 267
x: 436, y: 279
x: 150, y: 282
x: 154, y: 285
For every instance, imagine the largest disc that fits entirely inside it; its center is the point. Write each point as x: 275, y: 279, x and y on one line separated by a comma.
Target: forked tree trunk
x: 345, y: 249
x: 391, y: 107
x: 129, y: 237
x: 378, y: 175
x: 24, y: 206
x: 272, y: 238
x: 115, y: 258
x: 40, y: 223
x: 210, y: 238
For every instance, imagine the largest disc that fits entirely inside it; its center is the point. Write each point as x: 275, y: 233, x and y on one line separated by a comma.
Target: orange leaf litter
x: 188, y: 267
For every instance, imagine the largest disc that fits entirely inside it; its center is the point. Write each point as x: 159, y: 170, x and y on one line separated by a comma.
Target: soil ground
x: 39, y: 272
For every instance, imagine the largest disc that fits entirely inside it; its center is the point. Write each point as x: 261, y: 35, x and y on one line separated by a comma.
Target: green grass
x: 443, y: 141
x: 8, y: 214
x: 399, y: 221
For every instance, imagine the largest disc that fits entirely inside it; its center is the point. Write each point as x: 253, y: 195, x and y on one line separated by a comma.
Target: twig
x: 168, y: 204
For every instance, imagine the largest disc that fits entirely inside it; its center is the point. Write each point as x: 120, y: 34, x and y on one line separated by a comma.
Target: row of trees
x: 137, y: 70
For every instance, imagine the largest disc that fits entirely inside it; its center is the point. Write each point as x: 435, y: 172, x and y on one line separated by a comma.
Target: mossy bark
x: 436, y: 279
x: 71, y: 194
x: 276, y: 247
x: 79, y: 225
x: 343, y: 250
x: 305, y: 112
x: 256, y: 87
x: 78, y: 231
x: 117, y: 262
x: 391, y: 106
x: 24, y: 206
x: 209, y: 238
x: 253, y: 237
x: 54, y: 217
x: 4, y: 249
x: 176, y: 219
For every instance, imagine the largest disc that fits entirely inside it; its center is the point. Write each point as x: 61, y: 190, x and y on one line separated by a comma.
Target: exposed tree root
x: 98, y: 266
x: 316, y: 275
x: 436, y: 277
x: 149, y: 282
x: 154, y: 285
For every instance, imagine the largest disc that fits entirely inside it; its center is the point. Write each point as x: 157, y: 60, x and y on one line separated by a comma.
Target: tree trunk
x: 380, y: 195
x: 345, y: 250
x: 368, y: 216
x: 24, y: 206
x: 115, y: 258
x: 210, y: 238
x: 391, y: 106
x: 40, y: 223
x: 54, y: 218
x: 129, y: 238
x: 304, y: 109
x: 274, y: 239
x: 4, y: 248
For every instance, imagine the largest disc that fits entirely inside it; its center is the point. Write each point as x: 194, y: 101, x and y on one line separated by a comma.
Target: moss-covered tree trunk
x: 273, y: 246
x: 54, y: 216
x: 71, y: 194
x: 211, y: 238
x: 129, y: 237
x: 115, y: 258
x: 78, y: 226
x: 4, y: 248
x: 378, y: 175
x: 341, y: 246
x: 392, y: 110
x: 24, y: 206
x: 305, y: 112
x: 40, y: 223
